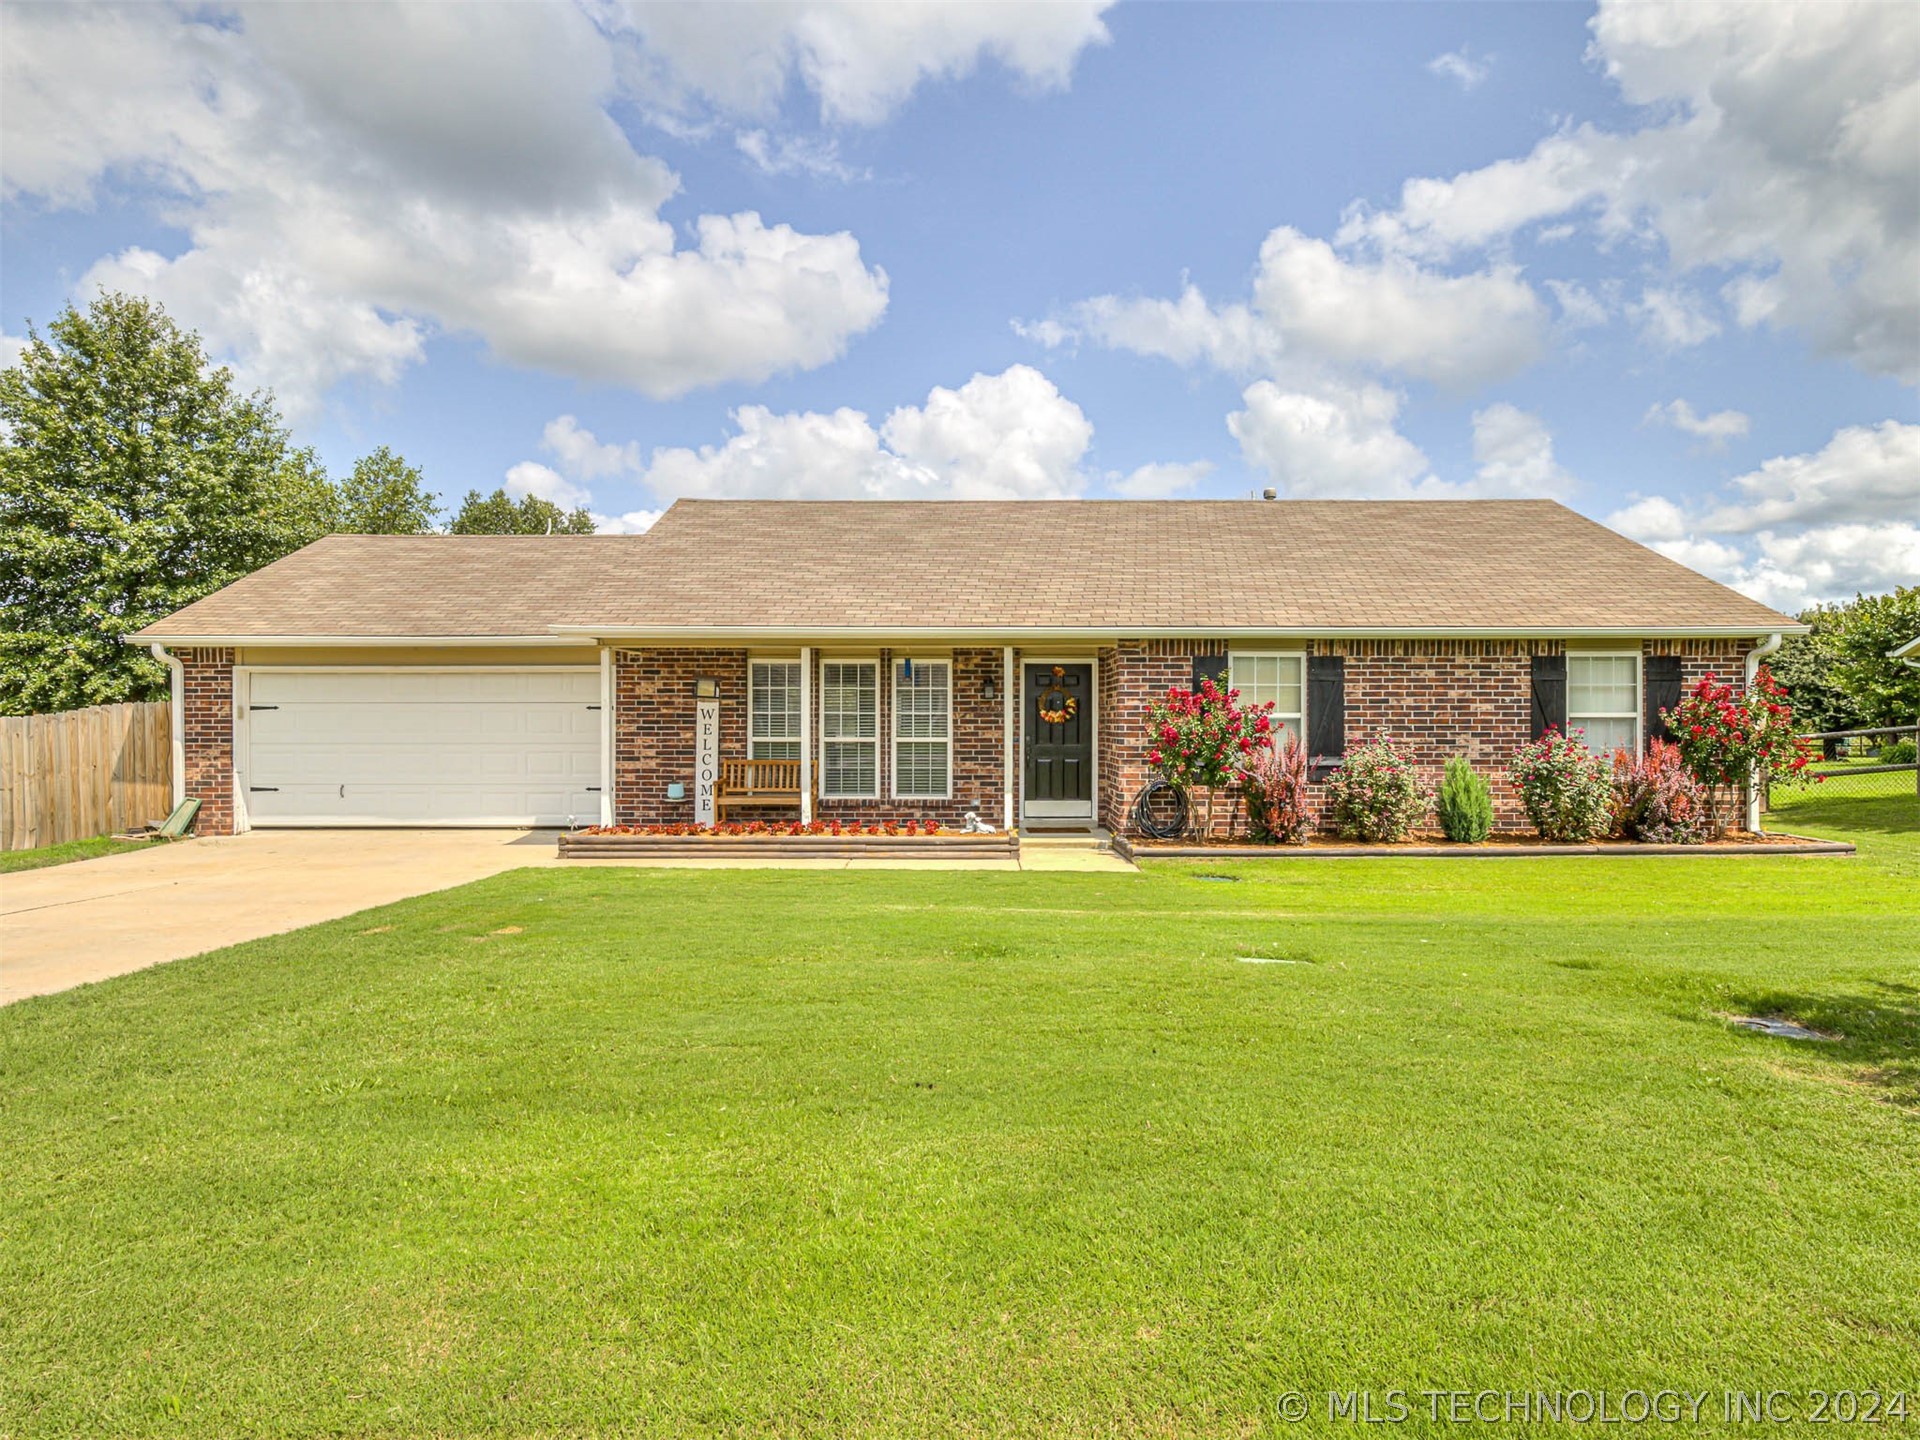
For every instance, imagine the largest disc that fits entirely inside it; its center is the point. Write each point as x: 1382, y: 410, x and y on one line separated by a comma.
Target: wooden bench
x: 755, y: 782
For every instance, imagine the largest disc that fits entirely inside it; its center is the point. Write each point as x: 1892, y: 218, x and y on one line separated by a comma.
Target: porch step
x: 1087, y: 849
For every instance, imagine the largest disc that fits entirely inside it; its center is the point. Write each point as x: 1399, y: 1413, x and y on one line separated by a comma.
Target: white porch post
x: 606, y: 735
x: 1006, y: 737
x: 806, y: 734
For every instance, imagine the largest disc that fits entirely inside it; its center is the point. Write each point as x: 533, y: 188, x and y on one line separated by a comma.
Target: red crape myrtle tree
x: 1727, y: 736
x: 1203, y: 739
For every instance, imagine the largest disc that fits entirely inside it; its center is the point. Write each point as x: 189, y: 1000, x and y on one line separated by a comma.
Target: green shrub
x: 1465, y: 804
x: 1897, y: 752
x: 1375, y: 794
x: 1566, y: 789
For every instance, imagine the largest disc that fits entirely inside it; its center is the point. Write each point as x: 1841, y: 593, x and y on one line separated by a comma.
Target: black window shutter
x: 1210, y: 667
x: 1326, y: 709
x: 1549, y: 694
x: 1660, y: 683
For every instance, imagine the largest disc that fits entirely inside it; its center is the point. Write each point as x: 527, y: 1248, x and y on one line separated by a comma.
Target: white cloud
x: 634, y: 522
x: 1580, y: 308
x: 1161, y: 481
x: 1779, y: 146
x: 1716, y: 429
x: 530, y: 477
x: 353, y: 180
x: 1314, y: 307
x: 861, y: 61
x: 1339, y: 443
x: 1460, y: 67
x: 1011, y: 436
x: 581, y: 453
x: 1802, y: 528
x: 12, y: 347
x: 1672, y: 319
x: 817, y: 156
x: 1513, y: 451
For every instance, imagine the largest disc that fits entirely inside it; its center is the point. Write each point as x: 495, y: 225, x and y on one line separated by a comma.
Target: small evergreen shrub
x: 1896, y: 752
x: 1465, y: 804
x: 1566, y: 790
x: 1375, y: 794
x: 1275, y: 784
x: 1656, y: 799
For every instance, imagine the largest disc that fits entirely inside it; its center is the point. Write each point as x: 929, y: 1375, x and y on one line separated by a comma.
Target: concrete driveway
x: 68, y: 925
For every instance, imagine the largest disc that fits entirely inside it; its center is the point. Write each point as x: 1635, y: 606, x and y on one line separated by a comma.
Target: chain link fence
x: 1863, y: 765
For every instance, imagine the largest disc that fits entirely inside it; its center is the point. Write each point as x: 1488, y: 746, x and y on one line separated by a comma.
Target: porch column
x: 1006, y: 737
x: 806, y: 734
x: 606, y: 735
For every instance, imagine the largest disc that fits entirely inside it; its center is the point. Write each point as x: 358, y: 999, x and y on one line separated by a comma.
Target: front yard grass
x: 883, y: 1153
x: 43, y: 855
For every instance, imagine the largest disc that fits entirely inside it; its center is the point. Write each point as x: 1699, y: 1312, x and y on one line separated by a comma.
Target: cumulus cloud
x: 1513, y: 454
x: 1671, y: 319
x: 1314, y: 306
x: 530, y: 477
x: 1715, y: 429
x: 1802, y: 528
x: 1160, y: 481
x: 1779, y: 147
x: 1580, y: 308
x: 1460, y: 67
x: 581, y: 452
x: 860, y: 61
x: 815, y: 156
x: 355, y: 181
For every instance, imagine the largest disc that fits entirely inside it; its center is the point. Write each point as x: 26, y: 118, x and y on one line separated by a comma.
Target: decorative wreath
x: 1056, y: 706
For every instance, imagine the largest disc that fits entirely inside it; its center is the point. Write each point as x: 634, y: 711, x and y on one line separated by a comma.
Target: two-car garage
x: 416, y: 745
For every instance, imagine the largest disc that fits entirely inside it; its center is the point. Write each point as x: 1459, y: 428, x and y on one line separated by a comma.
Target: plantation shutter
x: 1660, y: 683
x: 1210, y: 667
x: 1326, y: 709
x: 1549, y: 694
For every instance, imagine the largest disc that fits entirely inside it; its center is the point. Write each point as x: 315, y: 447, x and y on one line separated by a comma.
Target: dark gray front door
x: 1058, y: 709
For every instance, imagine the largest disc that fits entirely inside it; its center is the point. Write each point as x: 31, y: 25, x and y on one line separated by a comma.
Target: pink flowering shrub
x: 1275, y: 784
x: 1202, y: 739
x: 1376, y: 794
x: 1566, y: 789
x: 1726, y: 735
x: 1656, y: 799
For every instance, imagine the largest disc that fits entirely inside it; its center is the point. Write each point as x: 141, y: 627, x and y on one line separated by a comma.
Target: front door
x: 1057, y: 703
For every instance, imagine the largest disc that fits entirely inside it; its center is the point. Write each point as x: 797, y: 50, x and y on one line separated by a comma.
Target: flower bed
x: 1495, y: 847
x: 818, y: 839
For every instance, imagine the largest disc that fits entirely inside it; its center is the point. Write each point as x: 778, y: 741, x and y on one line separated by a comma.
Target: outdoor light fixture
x: 991, y: 689
x: 706, y: 688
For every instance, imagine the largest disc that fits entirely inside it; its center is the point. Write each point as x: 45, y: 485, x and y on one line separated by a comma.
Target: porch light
x: 991, y: 689
x: 706, y: 688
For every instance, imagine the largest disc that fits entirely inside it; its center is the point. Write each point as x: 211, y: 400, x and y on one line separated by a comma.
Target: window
x: 1603, y: 700
x: 850, y: 729
x: 922, y: 739
x: 1277, y: 678
x: 773, y: 730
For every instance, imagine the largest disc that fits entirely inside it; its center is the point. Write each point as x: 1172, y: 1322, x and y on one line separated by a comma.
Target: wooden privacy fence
x: 83, y: 772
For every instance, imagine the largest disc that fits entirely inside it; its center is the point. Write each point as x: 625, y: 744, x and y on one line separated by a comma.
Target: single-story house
x: 914, y: 659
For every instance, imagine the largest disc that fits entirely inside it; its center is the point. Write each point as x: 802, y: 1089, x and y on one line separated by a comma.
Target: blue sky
x: 1662, y: 263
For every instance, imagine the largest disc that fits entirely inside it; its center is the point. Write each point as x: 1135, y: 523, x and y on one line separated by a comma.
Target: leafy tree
x: 1805, y: 665
x: 500, y: 514
x: 385, y: 496
x: 134, y: 479
x: 1884, y: 691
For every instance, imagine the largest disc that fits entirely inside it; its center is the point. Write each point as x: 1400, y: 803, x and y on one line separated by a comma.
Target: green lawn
x: 61, y: 854
x: 850, y: 1154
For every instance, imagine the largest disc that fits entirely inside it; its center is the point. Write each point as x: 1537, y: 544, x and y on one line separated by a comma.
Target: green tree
x: 385, y: 496
x: 1805, y: 665
x: 500, y: 514
x: 134, y: 479
x: 1884, y: 691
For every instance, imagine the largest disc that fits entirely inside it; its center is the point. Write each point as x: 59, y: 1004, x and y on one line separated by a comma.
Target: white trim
x: 176, y: 718
x: 1007, y: 679
x: 893, y: 725
x: 606, y: 734
x: 1752, y: 668
x: 877, y: 740
x: 777, y: 658
x: 551, y: 639
x: 806, y: 732
x: 1027, y: 806
x: 1639, y: 692
x: 1301, y: 656
x: 964, y: 635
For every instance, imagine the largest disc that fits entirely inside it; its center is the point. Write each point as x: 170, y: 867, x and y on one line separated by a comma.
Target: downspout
x: 607, y: 733
x: 176, y: 718
x: 1006, y: 738
x: 1754, y: 656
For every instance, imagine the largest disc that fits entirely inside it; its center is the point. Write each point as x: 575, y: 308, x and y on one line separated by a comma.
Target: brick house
x: 917, y: 659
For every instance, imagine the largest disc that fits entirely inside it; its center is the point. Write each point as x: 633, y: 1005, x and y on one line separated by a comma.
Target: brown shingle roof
x: 1144, y: 567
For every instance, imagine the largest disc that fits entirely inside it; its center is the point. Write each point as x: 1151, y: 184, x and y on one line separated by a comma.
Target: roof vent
x: 1269, y: 494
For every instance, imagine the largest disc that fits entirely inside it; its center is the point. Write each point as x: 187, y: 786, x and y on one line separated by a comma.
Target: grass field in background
x: 910, y: 1154
x: 44, y: 855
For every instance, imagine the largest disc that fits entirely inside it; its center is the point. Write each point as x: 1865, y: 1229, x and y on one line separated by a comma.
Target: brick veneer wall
x: 1435, y: 698
x: 207, y: 736
x: 654, y: 738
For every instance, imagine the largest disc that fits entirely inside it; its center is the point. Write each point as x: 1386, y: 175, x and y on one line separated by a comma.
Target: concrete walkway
x: 71, y: 924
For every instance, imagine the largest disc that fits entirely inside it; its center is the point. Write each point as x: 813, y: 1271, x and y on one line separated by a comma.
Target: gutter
x: 176, y: 718
x: 1754, y: 656
x: 981, y: 634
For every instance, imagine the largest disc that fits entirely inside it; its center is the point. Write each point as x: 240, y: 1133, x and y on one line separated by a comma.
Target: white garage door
x: 425, y: 747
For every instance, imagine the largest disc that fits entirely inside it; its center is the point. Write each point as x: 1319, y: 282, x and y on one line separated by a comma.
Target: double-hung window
x: 922, y: 729
x: 850, y: 729
x: 1603, y: 701
x: 773, y: 729
x: 1280, y: 679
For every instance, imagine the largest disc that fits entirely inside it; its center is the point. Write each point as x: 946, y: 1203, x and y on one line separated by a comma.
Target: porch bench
x: 755, y: 782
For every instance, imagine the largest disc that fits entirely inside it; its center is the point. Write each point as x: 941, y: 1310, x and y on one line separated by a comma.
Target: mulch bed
x: 943, y: 844
x: 1500, y: 847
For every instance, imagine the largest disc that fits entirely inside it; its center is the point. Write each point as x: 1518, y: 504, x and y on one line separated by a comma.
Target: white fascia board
x: 997, y: 634
x: 422, y: 642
